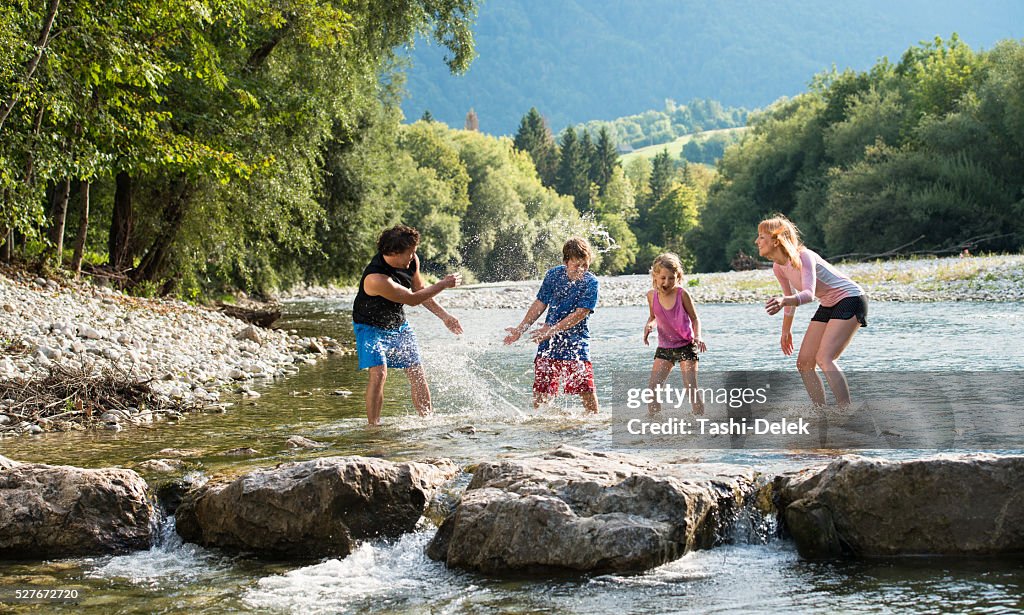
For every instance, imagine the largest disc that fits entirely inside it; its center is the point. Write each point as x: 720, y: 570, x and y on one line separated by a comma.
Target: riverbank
x: 982, y: 278
x: 188, y: 357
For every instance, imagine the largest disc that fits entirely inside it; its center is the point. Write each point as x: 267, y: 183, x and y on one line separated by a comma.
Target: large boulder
x: 576, y: 510
x: 949, y: 505
x: 62, y: 511
x: 312, y: 508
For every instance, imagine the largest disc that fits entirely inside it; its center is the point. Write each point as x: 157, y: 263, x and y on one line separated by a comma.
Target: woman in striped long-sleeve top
x: 804, y: 275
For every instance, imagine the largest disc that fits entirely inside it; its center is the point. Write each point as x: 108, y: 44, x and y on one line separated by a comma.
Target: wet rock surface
x: 951, y: 505
x: 61, y: 511
x: 312, y: 508
x: 573, y: 510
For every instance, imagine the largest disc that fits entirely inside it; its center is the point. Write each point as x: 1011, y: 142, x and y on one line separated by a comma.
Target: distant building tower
x: 472, y: 122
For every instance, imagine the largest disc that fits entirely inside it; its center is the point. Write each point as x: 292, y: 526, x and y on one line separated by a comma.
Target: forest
x: 198, y: 148
x: 919, y: 156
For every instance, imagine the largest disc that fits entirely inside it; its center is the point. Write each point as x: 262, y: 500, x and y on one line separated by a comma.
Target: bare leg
x: 838, y: 335
x: 689, y: 370
x: 659, y: 373
x: 805, y: 362
x: 420, y: 390
x: 589, y: 401
x: 375, y: 393
x: 540, y: 399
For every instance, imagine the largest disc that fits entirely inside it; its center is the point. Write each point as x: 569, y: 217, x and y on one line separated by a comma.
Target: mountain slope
x: 580, y: 60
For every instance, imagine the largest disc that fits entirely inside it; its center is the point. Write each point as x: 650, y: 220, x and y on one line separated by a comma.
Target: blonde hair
x: 782, y: 229
x: 669, y: 262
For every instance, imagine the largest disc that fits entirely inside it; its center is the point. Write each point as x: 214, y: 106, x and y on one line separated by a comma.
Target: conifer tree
x: 535, y: 138
x: 472, y: 121
x: 572, y: 169
x: 604, y: 161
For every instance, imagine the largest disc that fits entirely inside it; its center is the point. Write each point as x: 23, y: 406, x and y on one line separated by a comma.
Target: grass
x: 675, y: 148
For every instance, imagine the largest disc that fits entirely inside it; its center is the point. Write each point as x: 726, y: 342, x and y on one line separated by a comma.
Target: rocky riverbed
x: 983, y: 278
x: 188, y: 356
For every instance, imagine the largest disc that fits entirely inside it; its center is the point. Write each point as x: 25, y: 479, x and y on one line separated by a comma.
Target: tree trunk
x: 41, y: 44
x: 58, y: 214
x: 83, y: 229
x: 121, y: 223
x: 173, y: 214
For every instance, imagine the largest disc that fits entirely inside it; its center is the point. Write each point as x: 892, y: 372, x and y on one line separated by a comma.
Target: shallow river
x: 481, y: 392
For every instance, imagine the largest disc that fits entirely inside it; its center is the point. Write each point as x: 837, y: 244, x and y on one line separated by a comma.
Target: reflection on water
x: 481, y: 392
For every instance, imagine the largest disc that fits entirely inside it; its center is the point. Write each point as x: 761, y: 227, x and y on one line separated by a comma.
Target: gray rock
x: 300, y: 442
x: 312, y: 508
x: 575, y: 510
x: 950, y: 505
x: 62, y: 511
x: 7, y: 464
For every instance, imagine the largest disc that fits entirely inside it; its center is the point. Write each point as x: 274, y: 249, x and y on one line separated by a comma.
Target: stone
x: 243, y: 451
x: 61, y: 511
x: 315, y: 347
x: 573, y: 510
x: 250, y: 333
x: 953, y: 505
x: 160, y: 466
x: 300, y: 442
x: 316, y: 508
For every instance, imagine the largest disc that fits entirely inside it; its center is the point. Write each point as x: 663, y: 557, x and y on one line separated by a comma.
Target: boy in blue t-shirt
x: 569, y: 294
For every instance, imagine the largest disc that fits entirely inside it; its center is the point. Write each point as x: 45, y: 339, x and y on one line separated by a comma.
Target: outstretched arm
x: 532, y: 314
x: 546, y: 332
x: 434, y: 307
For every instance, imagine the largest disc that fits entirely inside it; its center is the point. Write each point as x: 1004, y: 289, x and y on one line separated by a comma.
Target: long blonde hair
x: 781, y: 228
x: 670, y: 262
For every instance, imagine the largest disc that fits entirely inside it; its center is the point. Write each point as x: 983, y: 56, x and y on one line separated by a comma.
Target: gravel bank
x: 189, y: 356
x: 986, y: 278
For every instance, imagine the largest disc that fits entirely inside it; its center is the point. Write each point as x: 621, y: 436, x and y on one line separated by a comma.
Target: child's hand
x: 700, y: 346
x: 540, y: 334
x: 647, y: 332
x: 514, y: 333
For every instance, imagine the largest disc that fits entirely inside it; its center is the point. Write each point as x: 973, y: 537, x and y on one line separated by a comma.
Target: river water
x: 481, y: 392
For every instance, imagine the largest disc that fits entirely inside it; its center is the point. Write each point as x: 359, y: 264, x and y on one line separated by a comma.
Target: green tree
x: 572, y: 170
x: 535, y: 138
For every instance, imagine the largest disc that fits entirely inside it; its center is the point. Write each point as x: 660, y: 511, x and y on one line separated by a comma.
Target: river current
x: 481, y: 393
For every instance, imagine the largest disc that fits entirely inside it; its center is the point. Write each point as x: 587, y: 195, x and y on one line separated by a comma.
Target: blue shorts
x: 388, y: 347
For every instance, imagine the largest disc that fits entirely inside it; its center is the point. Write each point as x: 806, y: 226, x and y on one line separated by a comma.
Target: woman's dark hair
x: 398, y: 238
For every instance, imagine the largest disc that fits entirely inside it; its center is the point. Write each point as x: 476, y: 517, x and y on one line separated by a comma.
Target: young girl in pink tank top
x: 678, y: 329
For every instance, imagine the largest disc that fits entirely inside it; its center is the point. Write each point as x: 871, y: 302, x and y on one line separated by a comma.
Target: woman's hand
x: 647, y: 332
x: 786, y: 343
x: 700, y: 346
x: 774, y: 305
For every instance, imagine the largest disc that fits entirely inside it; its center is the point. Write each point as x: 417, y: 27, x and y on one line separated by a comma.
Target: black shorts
x: 845, y: 309
x: 675, y: 355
